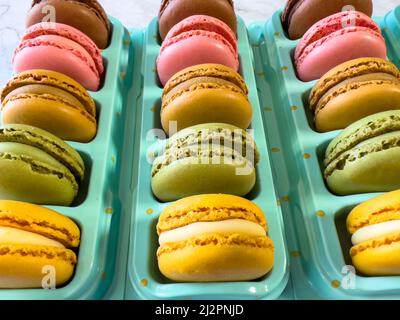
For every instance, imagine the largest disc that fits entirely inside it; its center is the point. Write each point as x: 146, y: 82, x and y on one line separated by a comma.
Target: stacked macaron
x: 46, y: 102
x: 209, y: 162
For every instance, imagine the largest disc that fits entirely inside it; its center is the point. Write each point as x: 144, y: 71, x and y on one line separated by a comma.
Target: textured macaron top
x: 348, y: 76
x: 209, y: 208
x: 332, y: 26
x: 203, y: 76
x: 50, y: 34
x: 166, y: 3
x: 46, y: 142
x: 92, y: 5
x: 377, y: 210
x: 51, y: 79
x: 375, y: 133
x: 39, y: 220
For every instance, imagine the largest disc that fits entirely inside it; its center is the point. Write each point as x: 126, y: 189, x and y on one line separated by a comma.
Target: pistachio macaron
x: 375, y: 229
x: 365, y: 157
x: 51, y: 101
x: 354, y: 90
x: 38, y: 167
x: 207, y: 93
x: 214, y: 238
x: 35, y: 241
x: 207, y: 158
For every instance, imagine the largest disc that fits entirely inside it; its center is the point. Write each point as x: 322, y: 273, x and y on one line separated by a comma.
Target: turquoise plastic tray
x: 314, y: 217
x: 144, y: 279
x: 97, y: 210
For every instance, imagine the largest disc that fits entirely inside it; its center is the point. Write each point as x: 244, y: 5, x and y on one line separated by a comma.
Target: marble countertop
x: 133, y: 14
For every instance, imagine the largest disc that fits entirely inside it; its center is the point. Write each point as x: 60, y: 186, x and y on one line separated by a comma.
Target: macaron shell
x: 172, y: 12
x: 176, y: 180
x: 204, y: 105
x: 361, y: 100
x: 309, y: 12
x: 375, y: 172
x: 86, y: 16
x: 40, y: 220
x: 57, y: 56
x: 337, y: 50
x: 216, y: 257
x: 22, y: 266
x: 378, y: 257
x: 52, y: 114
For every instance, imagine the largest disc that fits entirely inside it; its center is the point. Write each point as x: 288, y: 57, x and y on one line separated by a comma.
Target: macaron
x: 214, y: 238
x: 299, y: 15
x: 354, y: 90
x: 88, y: 16
x: 33, y: 242
x: 174, y: 11
x: 208, y: 93
x: 197, y: 40
x: 336, y: 39
x: 365, y: 157
x: 375, y: 229
x: 207, y: 158
x: 50, y: 101
x: 38, y: 167
x: 59, y: 47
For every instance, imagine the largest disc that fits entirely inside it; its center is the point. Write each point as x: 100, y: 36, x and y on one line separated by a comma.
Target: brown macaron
x: 174, y: 11
x: 299, y: 15
x: 87, y: 16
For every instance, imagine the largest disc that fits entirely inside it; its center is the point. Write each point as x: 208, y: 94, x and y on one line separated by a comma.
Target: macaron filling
x: 16, y: 236
x: 232, y: 226
x: 375, y: 231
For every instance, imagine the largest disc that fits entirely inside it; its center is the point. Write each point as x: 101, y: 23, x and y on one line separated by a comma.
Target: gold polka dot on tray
x: 294, y: 108
x: 335, y: 284
x: 127, y: 42
x: 113, y: 158
x: 150, y: 211
x: 154, y: 109
x: 285, y: 68
x: 109, y: 210
x: 307, y: 156
x: 275, y: 150
x: 321, y: 213
x: 268, y: 109
x: 144, y: 282
x: 296, y: 254
x: 277, y: 34
x: 104, y: 276
x: 260, y: 74
x: 285, y: 199
x: 123, y: 75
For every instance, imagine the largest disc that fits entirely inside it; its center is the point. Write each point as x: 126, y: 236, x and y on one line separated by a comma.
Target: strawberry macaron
x: 336, y: 39
x: 61, y: 48
x: 197, y: 40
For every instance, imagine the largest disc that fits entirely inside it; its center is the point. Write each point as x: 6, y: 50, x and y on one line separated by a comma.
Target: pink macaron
x: 62, y: 48
x: 197, y: 40
x: 336, y: 39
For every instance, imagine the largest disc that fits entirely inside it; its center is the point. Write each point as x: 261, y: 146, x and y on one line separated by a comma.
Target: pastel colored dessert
x: 365, y: 157
x: 61, y: 48
x: 88, y: 16
x: 33, y: 239
x: 174, y: 11
x: 375, y: 229
x: 208, y: 93
x: 214, y: 238
x: 51, y: 101
x: 354, y: 90
x: 197, y: 40
x: 38, y: 167
x: 220, y: 158
x: 299, y: 15
x: 336, y: 39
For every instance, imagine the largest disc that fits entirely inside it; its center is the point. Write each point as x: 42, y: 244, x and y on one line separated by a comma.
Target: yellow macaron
x: 214, y: 238
x: 33, y: 241
x: 375, y: 229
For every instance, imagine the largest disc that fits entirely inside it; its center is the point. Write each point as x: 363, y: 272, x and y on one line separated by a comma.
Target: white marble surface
x: 134, y: 14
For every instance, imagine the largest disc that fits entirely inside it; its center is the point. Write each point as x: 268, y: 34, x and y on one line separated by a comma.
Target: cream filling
x: 375, y: 231
x: 16, y: 236
x: 199, y: 228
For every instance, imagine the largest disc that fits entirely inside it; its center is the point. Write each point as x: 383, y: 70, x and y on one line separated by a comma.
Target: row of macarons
x: 45, y: 103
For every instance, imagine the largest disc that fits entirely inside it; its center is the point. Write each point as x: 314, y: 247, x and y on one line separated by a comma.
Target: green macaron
x: 206, y: 158
x: 365, y: 157
x: 38, y: 167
